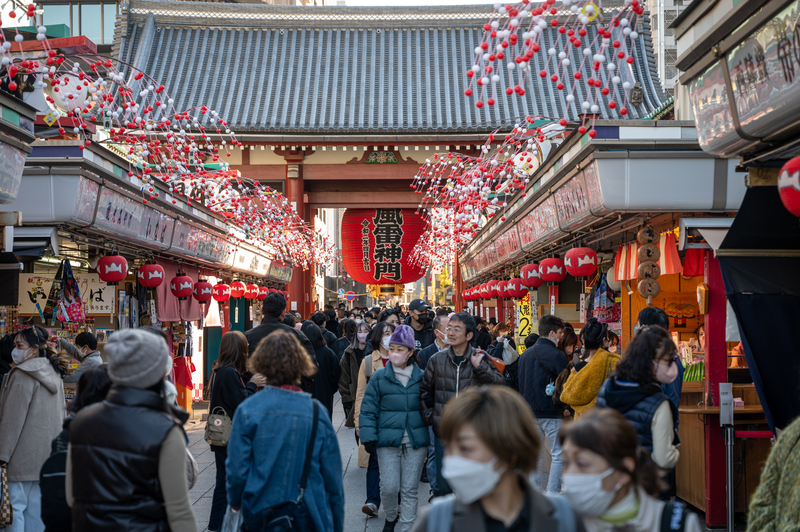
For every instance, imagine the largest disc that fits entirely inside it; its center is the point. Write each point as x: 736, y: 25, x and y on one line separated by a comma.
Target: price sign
x: 524, y: 320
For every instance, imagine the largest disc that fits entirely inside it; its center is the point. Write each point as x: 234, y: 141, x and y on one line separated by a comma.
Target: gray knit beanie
x: 136, y: 358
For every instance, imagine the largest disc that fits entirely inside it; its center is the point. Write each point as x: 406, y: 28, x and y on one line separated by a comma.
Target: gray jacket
x: 31, y: 415
x: 92, y: 359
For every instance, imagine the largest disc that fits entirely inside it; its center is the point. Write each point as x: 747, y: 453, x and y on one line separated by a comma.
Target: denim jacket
x: 266, y: 453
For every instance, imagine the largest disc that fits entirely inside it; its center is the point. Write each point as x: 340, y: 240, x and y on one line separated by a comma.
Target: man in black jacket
x: 419, y: 318
x: 319, y: 319
x: 538, y: 368
x: 274, y: 309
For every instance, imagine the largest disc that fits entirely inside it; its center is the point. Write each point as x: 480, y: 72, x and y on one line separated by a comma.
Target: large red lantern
x: 377, y: 245
x: 263, y: 292
x: 789, y: 186
x: 552, y: 270
x: 484, y: 290
x: 221, y: 292
x: 181, y: 286
x: 494, y: 290
x: 531, y: 277
x: 202, y: 291
x: 237, y: 289
x: 150, y: 275
x: 112, y: 268
x: 250, y: 291
x: 516, y: 288
x: 502, y: 287
x: 581, y: 262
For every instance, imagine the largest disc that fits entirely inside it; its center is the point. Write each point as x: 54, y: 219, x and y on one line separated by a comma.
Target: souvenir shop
x: 104, y: 261
x: 627, y: 220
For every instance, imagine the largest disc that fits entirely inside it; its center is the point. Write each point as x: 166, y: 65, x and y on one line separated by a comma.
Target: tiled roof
x: 335, y: 70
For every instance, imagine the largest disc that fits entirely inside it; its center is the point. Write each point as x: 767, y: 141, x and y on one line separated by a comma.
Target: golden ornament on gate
x: 649, y: 270
x: 647, y: 235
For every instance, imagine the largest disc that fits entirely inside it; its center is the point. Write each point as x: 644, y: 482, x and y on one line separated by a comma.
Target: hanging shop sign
x: 246, y: 261
x: 125, y: 217
x: 539, y: 224
x: 12, y: 163
x: 98, y: 297
x: 377, y: 245
x: 195, y: 242
x: 508, y: 245
x: 280, y: 272
x: 572, y: 205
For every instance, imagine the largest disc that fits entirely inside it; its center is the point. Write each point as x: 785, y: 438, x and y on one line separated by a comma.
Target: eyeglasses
x: 454, y: 329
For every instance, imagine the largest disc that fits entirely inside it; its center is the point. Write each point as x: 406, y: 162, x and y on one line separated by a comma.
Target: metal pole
x: 729, y: 437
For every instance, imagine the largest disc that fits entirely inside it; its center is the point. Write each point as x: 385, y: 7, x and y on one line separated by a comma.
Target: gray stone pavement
x: 355, y: 478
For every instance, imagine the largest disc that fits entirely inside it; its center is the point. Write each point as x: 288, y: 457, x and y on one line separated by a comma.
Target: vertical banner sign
x: 582, y: 317
x: 552, y: 305
x: 524, y: 321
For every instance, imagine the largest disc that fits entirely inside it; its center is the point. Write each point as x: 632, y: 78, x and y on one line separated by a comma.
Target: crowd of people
x: 435, y: 396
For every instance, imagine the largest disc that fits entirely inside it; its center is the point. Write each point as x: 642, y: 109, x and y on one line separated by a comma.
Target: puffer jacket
x: 443, y: 380
x: 389, y: 409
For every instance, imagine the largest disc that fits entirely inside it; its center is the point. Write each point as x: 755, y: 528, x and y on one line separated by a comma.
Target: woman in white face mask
x: 609, y: 479
x: 492, y: 446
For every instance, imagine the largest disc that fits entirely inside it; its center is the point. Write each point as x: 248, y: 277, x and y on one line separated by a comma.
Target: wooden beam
x: 363, y: 199
x: 357, y: 172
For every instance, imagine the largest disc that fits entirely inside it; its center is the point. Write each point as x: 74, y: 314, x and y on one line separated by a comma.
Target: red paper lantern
x: 202, y: 291
x: 485, y: 293
x: 263, y: 292
x: 493, y: 291
x: 221, y: 292
x: 516, y: 288
x: 112, y: 269
x: 237, y: 289
x: 581, y: 262
x: 552, y: 270
x: 150, y: 275
x: 250, y: 291
x: 531, y: 277
x: 377, y: 245
x: 181, y: 286
x: 789, y: 186
x: 502, y: 289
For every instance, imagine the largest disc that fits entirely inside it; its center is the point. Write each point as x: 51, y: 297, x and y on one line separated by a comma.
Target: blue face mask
x: 636, y: 329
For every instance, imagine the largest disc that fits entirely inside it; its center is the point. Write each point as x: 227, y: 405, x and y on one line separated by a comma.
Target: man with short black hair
x: 369, y: 318
x: 319, y: 319
x: 449, y: 372
x: 85, y: 351
x: 419, y: 319
x: 539, y: 366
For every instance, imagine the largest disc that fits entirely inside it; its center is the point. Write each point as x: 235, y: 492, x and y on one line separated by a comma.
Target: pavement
x: 355, y: 478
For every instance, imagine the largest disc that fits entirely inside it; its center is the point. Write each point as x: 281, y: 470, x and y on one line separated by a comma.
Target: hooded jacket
x: 88, y: 361
x: 31, y: 414
x: 581, y: 389
x: 423, y: 337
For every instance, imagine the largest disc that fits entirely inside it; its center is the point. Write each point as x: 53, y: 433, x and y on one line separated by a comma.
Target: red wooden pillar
x: 716, y: 365
x: 499, y: 310
x: 295, y: 194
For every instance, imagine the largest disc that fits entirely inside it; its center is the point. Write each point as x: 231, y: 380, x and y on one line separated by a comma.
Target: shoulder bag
x: 6, y: 512
x: 293, y: 516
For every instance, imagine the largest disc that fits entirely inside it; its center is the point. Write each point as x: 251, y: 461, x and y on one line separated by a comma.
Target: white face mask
x: 398, y: 360
x: 612, y: 349
x: 470, y: 479
x: 442, y: 338
x: 666, y: 374
x: 385, y: 342
x: 19, y: 355
x: 358, y: 322
x: 586, y: 495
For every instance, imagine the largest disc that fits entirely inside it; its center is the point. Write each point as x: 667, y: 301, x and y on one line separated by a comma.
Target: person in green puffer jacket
x: 391, y: 424
x: 776, y: 503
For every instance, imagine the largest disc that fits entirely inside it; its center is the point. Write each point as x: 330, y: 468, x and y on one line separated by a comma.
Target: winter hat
x: 136, y: 358
x: 403, y: 335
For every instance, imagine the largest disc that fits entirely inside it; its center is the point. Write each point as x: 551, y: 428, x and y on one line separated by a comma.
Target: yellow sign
x: 524, y: 321
x: 50, y: 118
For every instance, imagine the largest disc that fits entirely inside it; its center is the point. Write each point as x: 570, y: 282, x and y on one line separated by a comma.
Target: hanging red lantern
x: 150, y: 275
x: 531, y: 277
x: 237, y: 289
x: 552, y: 270
x: 789, y: 185
x: 250, y: 291
x: 581, y: 262
x: 181, y: 286
x: 202, y: 291
x: 494, y: 292
x: 221, y: 292
x: 263, y: 292
x: 112, y: 269
x: 516, y: 289
x: 484, y: 291
x: 501, y: 289
x: 377, y: 245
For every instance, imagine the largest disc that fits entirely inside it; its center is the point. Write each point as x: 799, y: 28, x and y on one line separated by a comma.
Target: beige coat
x: 31, y: 415
x: 375, y: 360
x: 647, y: 520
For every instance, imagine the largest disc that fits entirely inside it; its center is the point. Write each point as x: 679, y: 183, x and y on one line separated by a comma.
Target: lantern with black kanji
x: 250, y: 291
x: 202, y: 291
x: 789, y: 185
x: 531, y: 277
x: 237, y: 289
x: 516, y: 289
x: 263, y: 292
x: 112, y: 269
x: 581, y: 262
x: 181, y: 286
x: 552, y: 270
x: 150, y: 275
x: 221, y: 292
x: 377, y: 245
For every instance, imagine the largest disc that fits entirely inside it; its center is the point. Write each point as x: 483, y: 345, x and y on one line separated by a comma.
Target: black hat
x: 419, y: 304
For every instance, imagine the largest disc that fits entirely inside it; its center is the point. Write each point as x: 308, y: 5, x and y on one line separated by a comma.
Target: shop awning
x: 760, y: 261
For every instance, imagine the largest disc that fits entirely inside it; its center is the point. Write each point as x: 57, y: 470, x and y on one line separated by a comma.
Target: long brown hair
x: 233, y: 352
x: 606, y: 432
